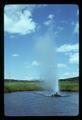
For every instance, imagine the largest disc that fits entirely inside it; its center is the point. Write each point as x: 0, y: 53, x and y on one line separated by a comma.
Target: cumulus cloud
x: 49, y: 20
x: 61, y: 65
x: 18, y: 8
x: 74, y: 58
x: 68, y: 48
x: 15, y: 55
x: 18, y: 19
x: 72, y: 51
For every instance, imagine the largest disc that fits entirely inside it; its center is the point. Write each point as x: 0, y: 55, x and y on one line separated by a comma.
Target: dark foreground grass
x: 10, y: 86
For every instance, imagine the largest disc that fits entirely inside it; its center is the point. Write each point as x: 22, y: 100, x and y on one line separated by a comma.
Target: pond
x: 38, y: 103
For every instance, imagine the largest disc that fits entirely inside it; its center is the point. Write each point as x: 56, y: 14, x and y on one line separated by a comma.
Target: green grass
x: 13, y: 86
x: 69, y: 86
x: 21, y: 86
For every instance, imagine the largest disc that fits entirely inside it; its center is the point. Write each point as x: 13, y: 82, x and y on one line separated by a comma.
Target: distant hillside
x: 13, y: 80
x: 68, y: 79
x: 71, y: 79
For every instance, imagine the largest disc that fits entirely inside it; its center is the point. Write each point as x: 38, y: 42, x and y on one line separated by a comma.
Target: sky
x: 23, y: 24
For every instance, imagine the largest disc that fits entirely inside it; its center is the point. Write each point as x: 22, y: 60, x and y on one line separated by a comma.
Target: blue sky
x: 23, y: 24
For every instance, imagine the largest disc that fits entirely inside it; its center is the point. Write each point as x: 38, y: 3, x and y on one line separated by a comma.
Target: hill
x: 67, y: 79
x: 71, y: 79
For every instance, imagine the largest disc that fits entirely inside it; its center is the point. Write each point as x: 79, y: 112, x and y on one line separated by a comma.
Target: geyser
x: 46, y: 57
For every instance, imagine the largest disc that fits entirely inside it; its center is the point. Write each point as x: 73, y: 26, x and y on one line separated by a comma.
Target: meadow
x: 14, y: 85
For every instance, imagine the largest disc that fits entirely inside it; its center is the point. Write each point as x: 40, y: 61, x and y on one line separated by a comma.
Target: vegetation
x: 10, y: 86
x: 71, y: 84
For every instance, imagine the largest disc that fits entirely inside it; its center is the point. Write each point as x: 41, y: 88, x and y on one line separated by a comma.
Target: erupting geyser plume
x: 46, y: 56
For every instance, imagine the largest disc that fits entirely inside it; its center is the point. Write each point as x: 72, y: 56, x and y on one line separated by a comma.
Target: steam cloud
x: 46, y: 56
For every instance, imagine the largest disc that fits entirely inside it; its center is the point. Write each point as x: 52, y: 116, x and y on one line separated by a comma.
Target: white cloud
x: 69, y: 75
x: 76, y: 29
x: 15, y: 55
x: 61, y: 65
x: 49, y: 20
x: 51, y: 16
x: 68, y: 48
x: 74, y: 58
x: 18, y: 19
x: 35, y: 63
x: 19, y: 8
x: 72, y: 51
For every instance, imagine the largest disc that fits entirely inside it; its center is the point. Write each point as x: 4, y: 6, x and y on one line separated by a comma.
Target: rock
x: 56, y: 95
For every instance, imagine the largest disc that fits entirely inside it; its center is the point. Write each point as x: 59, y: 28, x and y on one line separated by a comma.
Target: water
x: 45, y: 49
x: 35, y: 103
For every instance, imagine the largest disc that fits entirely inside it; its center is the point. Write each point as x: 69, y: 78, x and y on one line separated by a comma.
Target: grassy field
x: 69, y: 86
x: 21, y: 86
x: 13, y: 86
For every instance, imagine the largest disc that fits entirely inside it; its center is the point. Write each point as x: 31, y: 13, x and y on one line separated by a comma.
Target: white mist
x: 46, y: 56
